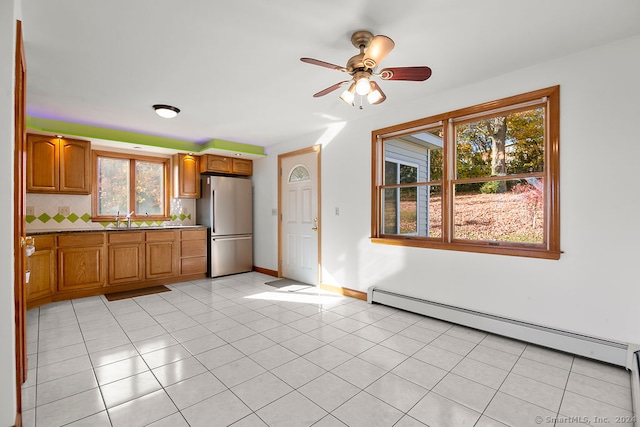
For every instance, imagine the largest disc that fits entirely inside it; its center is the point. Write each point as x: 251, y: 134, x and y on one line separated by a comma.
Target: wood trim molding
x: 344, y: 291
x: 19, y: 223
x: 266, y: 271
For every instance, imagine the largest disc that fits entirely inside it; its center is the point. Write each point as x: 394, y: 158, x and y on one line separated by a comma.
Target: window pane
x: 390, y: 173
x: 149, y: 188
x: 390, y: 211
x: 413, y: 211
x: 113, y: 186
x: 419, y: 157
x: 501, y: 145
x: 408, y: 210
x: 434, y: 211
x: 515, y: 215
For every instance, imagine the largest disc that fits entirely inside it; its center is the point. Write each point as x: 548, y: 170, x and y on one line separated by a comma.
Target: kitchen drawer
x: 196, y: 265
x: 199, y: 234
x: 80, y: 239
x: 44, y: 242
x: 191, y: 248
x: 125, y: 237
x: 160, y: 236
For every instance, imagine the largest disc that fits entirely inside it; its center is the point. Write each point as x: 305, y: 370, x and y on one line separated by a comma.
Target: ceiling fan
x: 361, y: 67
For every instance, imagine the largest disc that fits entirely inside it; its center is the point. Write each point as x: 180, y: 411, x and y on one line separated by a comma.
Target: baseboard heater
x: 595, y: 348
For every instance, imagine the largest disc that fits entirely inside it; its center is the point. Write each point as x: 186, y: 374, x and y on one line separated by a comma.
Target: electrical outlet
x: 337, y: 211
x: 64, y: 210
x: 30, y: 210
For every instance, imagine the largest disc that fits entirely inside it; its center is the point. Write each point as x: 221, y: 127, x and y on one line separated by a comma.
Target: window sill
x: 522, y: 251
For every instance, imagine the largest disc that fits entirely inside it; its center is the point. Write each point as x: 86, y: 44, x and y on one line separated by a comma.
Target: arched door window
x: 299, y: 173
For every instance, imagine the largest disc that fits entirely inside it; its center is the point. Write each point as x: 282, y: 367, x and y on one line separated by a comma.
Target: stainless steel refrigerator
x: 226, y: 207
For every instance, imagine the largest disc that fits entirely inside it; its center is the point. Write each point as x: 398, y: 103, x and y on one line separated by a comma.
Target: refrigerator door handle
x: 248, y: 236
x: 213, y: 211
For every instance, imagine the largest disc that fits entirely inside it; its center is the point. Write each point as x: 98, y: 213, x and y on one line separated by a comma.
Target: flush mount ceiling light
x: 166, y: 111
x: 361, y: 67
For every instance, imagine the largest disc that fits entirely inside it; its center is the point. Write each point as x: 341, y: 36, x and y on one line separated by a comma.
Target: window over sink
x: 125, y: 183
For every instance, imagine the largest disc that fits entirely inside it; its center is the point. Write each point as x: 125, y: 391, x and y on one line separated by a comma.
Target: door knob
x: 315, y: 224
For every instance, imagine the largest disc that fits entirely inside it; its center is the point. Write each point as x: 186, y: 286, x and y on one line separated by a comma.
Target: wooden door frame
x: 19, y: 225
x: 318, y: 150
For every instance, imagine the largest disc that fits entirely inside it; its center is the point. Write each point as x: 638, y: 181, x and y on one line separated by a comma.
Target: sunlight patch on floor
x: 301, y: 297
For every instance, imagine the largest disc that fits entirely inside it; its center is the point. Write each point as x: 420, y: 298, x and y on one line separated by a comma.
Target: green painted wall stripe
x: 86, y: 131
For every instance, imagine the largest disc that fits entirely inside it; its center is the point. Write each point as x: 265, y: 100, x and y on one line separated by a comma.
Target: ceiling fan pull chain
x: 361, y: 102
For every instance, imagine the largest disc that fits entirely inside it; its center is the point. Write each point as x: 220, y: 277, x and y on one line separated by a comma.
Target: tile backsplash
x: 60, y: 212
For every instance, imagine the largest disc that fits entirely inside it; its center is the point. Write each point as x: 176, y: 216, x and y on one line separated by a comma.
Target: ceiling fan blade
x: 376, y: 95
x: 378, y: 49
x: 322, y: 64
x: 330, y: 89
x: 416, y: 74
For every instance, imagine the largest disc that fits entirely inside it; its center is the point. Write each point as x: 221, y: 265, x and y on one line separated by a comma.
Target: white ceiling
x: 233, y: 67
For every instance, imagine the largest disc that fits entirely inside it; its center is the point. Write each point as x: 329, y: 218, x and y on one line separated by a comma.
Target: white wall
x: 593, y: 289
x: 8, y: 15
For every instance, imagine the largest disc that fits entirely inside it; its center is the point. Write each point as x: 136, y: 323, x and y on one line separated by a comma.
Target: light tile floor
x: 234, y: 351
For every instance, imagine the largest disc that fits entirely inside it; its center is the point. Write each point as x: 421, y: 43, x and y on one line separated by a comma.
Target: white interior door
x: 299, y: 219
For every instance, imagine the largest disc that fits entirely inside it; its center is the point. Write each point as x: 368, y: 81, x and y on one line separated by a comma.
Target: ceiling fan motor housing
x: 361, y: 39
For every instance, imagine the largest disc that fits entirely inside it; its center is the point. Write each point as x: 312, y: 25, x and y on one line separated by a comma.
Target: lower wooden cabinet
x: 81, y: 261
x: 75, y: 265
x: 193, y: 251
x: 42, y: 268
x: 126, y: 257
x: 160, y: 254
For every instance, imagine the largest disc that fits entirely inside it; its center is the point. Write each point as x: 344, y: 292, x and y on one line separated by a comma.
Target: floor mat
x: 136, y: 293
x: 288, y: 284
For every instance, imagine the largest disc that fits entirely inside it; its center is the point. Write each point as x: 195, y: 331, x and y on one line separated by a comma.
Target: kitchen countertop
x: 113, y: 229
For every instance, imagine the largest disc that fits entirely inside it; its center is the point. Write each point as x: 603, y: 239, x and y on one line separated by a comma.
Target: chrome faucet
x: 118, y: 219
x: 129, y: 219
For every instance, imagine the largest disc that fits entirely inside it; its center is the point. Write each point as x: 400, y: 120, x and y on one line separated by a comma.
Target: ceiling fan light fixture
x: 166, y: 111
x: 376, y: 96
x: 349, y: 95
x: 378, y: 50
x: 363, y: 86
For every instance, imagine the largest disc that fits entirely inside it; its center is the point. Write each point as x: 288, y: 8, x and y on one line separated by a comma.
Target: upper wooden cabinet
x: 229, y: 165
x: 219, y: 164
x: 186, y: 176
x: 241, y: 167
x: 58, y: 165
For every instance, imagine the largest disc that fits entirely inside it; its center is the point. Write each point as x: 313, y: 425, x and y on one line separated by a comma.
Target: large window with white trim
x: 479, y: 179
